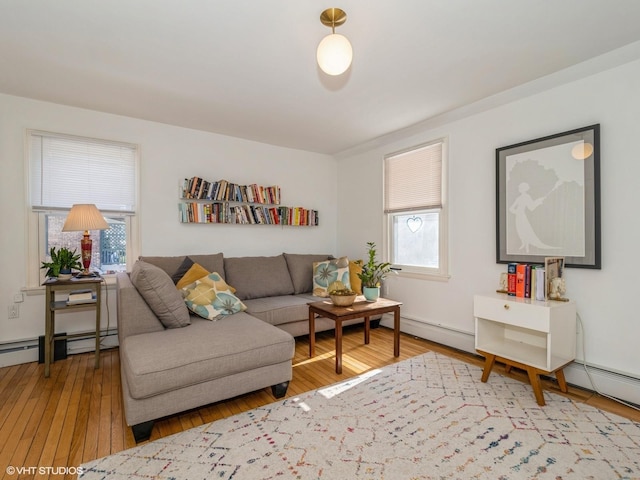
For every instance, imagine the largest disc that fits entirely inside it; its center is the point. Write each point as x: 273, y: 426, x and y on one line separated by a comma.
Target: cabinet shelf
x: 535, y: 335
x: 540, y: 334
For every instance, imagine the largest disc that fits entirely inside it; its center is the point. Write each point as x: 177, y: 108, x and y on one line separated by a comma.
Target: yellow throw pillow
x: 210, y: 298
x: 196, y: 272
x: 355, y: 267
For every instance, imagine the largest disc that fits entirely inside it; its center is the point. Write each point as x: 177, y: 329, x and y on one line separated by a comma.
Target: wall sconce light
x: 334, y: 52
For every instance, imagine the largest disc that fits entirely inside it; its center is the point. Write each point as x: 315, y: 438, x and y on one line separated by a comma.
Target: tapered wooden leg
x: 338, y: 346
x: 367, y: 330
x: 534, y: 379
x: 312, y: 333
x: 396, y: 332
x: 562, y: 383
x: 488, y: 366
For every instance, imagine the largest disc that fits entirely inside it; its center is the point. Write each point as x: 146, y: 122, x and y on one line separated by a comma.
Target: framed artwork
x: 548, y: 199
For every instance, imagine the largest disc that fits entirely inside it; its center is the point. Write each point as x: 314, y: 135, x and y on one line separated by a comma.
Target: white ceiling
x: 247, y: 68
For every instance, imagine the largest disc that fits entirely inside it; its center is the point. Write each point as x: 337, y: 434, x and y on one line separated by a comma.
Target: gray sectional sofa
x: 172, y: 361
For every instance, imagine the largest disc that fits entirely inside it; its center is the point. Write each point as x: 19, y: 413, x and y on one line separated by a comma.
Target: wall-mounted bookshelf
x: 203, y: 201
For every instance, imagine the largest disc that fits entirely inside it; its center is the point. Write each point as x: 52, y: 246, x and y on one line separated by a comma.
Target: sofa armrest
x: 134, y: 315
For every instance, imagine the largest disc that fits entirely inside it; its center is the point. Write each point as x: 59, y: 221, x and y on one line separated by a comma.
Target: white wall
x: 168, y: 155
x: 605, y: 298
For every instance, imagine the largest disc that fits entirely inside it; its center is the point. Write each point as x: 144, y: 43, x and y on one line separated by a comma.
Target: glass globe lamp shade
x: 334, y: 54
x: 582, y: 151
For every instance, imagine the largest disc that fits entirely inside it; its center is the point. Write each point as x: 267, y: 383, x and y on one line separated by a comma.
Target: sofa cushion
x: 212, y: 262
x: 256, y: 277
x: 329, y: 271
x: 355, y: 268
x: 187, y: 263
x: 134, y: 314
x: 158, y: 290
x: 194, y: 273
x: 281, y: 309
x: 160, y: 362
x: 210, y: 297
x: 301, y: 270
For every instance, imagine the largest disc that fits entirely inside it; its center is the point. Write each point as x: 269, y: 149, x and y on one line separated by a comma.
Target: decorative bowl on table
x: 342, y: 298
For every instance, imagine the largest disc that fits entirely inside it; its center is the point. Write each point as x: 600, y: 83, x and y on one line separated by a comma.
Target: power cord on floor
x: 106, y: 301
x: 584, y: 364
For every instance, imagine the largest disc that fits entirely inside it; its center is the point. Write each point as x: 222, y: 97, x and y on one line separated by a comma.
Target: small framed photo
x: 548, y: 199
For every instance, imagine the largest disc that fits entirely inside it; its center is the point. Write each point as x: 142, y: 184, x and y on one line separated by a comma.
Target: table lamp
x: 85, y: 216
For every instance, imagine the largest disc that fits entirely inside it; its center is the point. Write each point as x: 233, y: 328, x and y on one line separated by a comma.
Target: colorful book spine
x: 511, y: 278
x: 527, y: 281
x: 521, y: 269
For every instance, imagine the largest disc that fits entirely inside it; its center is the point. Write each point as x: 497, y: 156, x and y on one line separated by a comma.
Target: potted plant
x: 62, y: 262
x: 372, y: 274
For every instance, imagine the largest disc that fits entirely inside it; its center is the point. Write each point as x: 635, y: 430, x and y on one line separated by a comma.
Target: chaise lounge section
x: 173, y: 361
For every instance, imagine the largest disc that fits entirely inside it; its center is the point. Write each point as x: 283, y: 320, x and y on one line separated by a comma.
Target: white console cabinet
x: 537, y: 336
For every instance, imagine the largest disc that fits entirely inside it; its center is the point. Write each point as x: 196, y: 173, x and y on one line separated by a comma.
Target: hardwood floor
x: 76, y: 415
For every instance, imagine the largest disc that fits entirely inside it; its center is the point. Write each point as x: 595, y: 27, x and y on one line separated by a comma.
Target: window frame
x: 36, y: 217
x: 441, y: 273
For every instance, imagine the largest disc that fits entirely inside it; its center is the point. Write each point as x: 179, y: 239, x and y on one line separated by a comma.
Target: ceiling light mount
x: 334, y: 52
x: 333, y: 17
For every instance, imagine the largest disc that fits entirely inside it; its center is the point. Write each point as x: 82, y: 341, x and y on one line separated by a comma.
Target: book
x: 511, y: 278
x: 77, y: 297
x: 527, y: 281
x: 521, y: 269
x: 540, y: 290
x: 84, y: 294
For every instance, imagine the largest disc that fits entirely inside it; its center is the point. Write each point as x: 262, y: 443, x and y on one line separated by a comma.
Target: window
x: 64, y: 170
x: 414, y: 206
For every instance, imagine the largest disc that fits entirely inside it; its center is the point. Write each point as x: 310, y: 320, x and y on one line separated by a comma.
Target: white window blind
x: 413, y: 179
x: 65, y: 170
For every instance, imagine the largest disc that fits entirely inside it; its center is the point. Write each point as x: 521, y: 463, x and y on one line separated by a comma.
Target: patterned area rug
x: 429, y: 417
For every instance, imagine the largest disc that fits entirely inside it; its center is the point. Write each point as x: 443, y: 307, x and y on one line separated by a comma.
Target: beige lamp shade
x: 334, y: 54
x: 83, y: 217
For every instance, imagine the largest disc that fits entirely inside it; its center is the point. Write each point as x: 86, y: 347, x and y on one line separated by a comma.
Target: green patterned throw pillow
x: 210, y: 297
x: 329, y: 271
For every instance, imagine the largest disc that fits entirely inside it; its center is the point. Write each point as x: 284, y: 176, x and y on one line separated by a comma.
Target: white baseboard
x: 26, y: 351
x: 19, y: 356
x: 464, y: 341
x: 606, y: 382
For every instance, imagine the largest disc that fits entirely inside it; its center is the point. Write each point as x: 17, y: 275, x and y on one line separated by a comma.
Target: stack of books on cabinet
x: 231, y: 203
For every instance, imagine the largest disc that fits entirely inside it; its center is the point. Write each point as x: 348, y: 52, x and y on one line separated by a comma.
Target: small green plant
x: 340, y: 289
x: 373, y: 273
x: 63, y: 259
x: 342, y: 292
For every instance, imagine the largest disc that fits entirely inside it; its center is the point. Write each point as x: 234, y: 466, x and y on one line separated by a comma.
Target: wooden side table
x: 360, y: 309
x: 52, y: 306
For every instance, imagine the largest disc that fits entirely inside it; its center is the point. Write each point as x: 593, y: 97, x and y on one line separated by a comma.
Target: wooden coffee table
x: 360, y: 309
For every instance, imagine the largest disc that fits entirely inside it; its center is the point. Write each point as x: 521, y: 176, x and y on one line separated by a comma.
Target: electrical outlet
x: 14, y: 311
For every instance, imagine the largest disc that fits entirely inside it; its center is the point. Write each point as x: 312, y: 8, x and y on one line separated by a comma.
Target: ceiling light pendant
x: 582, y: 151
x: 334, y: 51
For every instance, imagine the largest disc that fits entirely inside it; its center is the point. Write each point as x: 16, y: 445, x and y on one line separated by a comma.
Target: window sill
x: 424, y: 276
